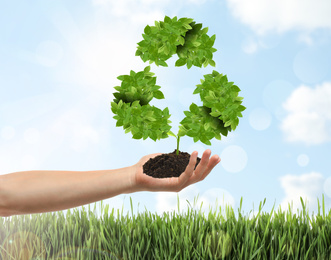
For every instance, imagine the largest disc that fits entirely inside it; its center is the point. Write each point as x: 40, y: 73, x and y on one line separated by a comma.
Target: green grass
x: 190, y: 235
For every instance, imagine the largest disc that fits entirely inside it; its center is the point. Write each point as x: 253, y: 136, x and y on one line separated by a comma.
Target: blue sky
x: 59, y: 61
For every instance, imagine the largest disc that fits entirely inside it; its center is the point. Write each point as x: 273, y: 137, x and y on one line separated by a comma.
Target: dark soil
x: 168, y: 165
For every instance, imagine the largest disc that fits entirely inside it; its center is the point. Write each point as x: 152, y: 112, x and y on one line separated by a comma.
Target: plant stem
x: 177, y: 152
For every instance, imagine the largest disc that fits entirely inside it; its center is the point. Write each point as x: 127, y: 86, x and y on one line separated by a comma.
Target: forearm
x: 45, y: 191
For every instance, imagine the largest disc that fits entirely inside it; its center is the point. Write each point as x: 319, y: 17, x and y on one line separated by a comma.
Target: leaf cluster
x: 200, y: 125
x: 198, y: 48
x: 142, y: 121
x: 222, y: 98
x: 221, y: 107
x: 132, y: 110
x: 220, y: 111
x: 139, y: 86
x: 182, y: 36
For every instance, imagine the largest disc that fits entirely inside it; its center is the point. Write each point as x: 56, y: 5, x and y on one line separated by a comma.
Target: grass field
x: 191, y: 235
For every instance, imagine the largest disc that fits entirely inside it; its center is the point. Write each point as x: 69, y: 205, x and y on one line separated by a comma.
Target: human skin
x: 31, y: 192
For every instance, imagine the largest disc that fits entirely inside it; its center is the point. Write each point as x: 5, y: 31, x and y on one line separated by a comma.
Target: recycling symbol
x: 221, y: 107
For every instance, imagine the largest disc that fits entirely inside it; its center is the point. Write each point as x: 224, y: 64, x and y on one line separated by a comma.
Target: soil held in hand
x: 168, y: 165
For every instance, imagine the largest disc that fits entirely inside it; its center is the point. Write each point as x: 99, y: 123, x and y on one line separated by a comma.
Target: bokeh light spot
x: 303, y: 160
x: 23, y: 245
x: 234, y: 158
x: 32, y: 136
x: 260, y: 119
x: 7, y: 132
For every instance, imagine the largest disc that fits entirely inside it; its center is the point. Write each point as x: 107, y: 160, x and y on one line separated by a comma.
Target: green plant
x: 221, y: 107
x: 187, y: 234
x: 182, y: 36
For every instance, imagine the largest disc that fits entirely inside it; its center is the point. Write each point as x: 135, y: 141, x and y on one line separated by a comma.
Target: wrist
x: 131, y: 179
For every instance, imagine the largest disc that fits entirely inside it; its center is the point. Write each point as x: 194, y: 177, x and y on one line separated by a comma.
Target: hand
x: 143, y: 182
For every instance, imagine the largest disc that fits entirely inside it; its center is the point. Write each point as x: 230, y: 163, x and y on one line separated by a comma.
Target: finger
x: 186, y: 175
x: 214, y: 160
x: 202, y: 165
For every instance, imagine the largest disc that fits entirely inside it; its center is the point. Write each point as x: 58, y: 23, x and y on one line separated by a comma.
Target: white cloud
x: 210, y: 200
x: 142, y: 12
x: 309, y: 115
x: 249, y: 46
x: 70, y: 128
x: 282, y: 15
x: 214, y: 198
x: 97, y: 53
x: 308, y: 186
x: 167, y: 201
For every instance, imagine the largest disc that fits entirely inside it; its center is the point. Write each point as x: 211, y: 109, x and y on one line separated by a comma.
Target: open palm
x: 144, y: 182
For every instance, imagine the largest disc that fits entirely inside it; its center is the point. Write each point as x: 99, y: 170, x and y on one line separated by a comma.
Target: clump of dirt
x: 168, y: 165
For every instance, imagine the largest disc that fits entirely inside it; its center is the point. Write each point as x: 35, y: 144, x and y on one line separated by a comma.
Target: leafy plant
x: 132, y: 110
x: 184, y: 37
x: 221, y: 107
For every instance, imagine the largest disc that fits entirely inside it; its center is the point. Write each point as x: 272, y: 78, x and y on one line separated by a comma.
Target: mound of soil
x: 168, y: 165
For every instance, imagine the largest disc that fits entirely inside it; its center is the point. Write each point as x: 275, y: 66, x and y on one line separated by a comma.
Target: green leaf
x: 113, y: 107
x: 165, y: 111
x: 158, y: 94
x: 181, y: 40
x: 205, y: 141
x: 227, y: 123
x: 189, y: 64
x: 241, y: 108
x: 127, y: 130
x: 188, y: 27
x: 152, y: 119
x: 145, y: 135
x: 197, y: 90
x: 167, y: 19
x: 194, y: 108
x: 147, y: 69
x: 121, y: 77
x: 119, y: 123
x: 147, y: 29
x: 180, y: 62
x: 163, y: 63
x: 137, y: 136
x: 215, y: 73
x: 215, y: 114
x: 120, y: 104
x: 212, y: 63
x: 218, y: 137
x: 196, y: 44
x: 171, y: 134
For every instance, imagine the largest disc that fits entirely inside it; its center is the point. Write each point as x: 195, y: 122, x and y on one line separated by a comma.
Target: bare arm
x: 32, y: 192
x: 45, y: 191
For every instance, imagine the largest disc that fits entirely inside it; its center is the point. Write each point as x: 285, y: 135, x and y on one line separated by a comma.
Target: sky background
x: 59, y: 62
